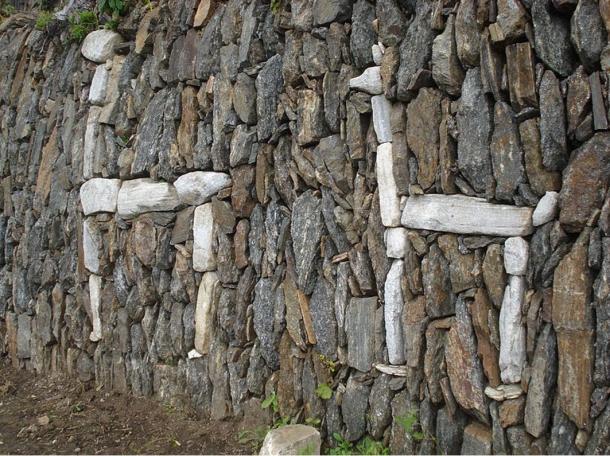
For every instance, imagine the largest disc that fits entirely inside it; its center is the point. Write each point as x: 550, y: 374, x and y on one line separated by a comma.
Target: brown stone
x: 293, y: 312
x: 202, y: 13
x: 600, y: 119
x: 540, y: 179
x: 578, y: 100
x: 290, y: 369
x: 521, y: 76
x: 511, y: 411
x: 242, y: 194
x: 494, y: 274
x: 491, y: 67
x: 477, y: 439
x: 181, y: 155
x: 423, y: 119
x: 585, y: 182
x: 573, y: 323
x: 311, y: 125
x: 43, y: 180
x: 485, y: 323
x: 447, y: 151
x: 144, y: 240
x: 240, y: 241
x: 434, y: 359
x: 462, y: 267
x: 143, y: 34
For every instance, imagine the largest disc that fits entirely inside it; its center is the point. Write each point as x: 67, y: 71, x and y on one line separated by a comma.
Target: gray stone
x: 541, y: 383
x: 446, y: 68
x: 475, y: 126
x: 588, y: 33
x: 291, y: 439
x: 389, y: 203
x: 97, y: 91
x: 263, y: 320
x: 95, y: 302
x: 360, y: 333
x: 380, y: 411
x: 99, y: 195
x: 450, y: 431
x: 506, y: 153
x: 551, y: 37
x: 477, y: 439
x: 321, y: 306
x: 204, y: 238
x: 353, y: 408
x: 516, y: 256
x: 269, y: 84
x: 415, y: 49
x: 327, y: 11
x: 306, y: 229
x: 392, y: 21
x: 552, y: 124
x: 363, y: 35
x: 440, y: 300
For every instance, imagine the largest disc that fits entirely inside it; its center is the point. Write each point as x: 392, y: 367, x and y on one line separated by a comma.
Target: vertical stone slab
x: 393, y: 309
x: 205, y: 312
x: 360, y: 332
x: 204, y: 239
x: 95, y: 301
x: 389, y: 204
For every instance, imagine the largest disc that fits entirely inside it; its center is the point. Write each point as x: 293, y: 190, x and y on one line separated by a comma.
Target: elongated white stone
x: 394, y: 304
x: 396, y: 242
x: 95, y: 300
x: 546, y: 210
x: 377, y: 54
x: 138, y: 196
x: 97, y: 91
x: 382, y: 109
x: 199, y: 186
x: 91, y: 246
x: 204, y: 249
x: 389, y: 204
x: 512, y: 332
x: 516, y: 255
x: 369, y: 81
x: 466, y: 215
x: 205, y: 312
x: 99, y: 195
x: 98, y: 46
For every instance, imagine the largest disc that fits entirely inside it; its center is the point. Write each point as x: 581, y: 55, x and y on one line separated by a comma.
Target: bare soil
x: 58, y: 415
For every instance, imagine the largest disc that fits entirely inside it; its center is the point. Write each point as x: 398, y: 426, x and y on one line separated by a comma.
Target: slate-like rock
x: 360, y: 333
x: 506, y: 153
x: 521, y: 76
x: 463, y: 365
x: 363, y: 35
x: 327, y: 11
x: 588, y: 33
x: 415, y: 49
x: 98, y: 45
x: 321, y: 306
x: 468, y: 32
x: 475, y: 126
x: 392, y: 21
x: 552, y: 37
x: 306, y: 229
x: 423, y: 120
x: 446, y: 67
x: 477, y: 439
x: 269, y: 84
x: 353, y: 408
x: 440, y: 300
x: 585, y: 180
x: 552, y: 124
x: 311, y: 124
x: 541, y: 383
x: 540, y: 179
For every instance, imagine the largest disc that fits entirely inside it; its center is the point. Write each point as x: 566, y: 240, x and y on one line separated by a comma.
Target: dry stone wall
x: 406, y: 200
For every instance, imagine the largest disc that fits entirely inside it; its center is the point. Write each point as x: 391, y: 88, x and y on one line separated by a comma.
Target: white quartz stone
x: 396, y: 242
x: 389, y: 203
x: 99, y: 195
x: 193, y: 354
x: 512, y: 331
x: 466, y: 215
x: 369, y: 81
x: 546, y: 210
x: 92, y: 245
x: 377, y: 54
x: 138, y: 196
x: 503, y: 392
x: 204, y: 239
x: 382, y: 109
x: 205, y: 312
x: 292, y: 439
x: 95, y: 300
x: 516, y: 255
x: 97, y: 91
x: 199, y: 186
x: 90, y: 146
x: 98, y: 46
x: 392, y: 311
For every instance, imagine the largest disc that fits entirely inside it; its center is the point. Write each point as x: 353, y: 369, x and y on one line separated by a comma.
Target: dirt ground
x: 56, y: 415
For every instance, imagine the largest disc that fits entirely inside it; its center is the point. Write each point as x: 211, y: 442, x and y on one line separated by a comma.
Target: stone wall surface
x: 406, y: 200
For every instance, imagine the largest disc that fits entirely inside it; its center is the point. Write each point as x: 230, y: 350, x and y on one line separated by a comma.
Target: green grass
x: 44, y: 19
x: 366, y: 445
x: 81, y: 24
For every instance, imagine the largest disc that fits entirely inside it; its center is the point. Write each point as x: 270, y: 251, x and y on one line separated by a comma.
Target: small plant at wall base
x: 365, y: 446
x: 6, y: 10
